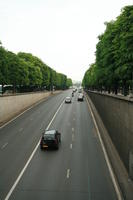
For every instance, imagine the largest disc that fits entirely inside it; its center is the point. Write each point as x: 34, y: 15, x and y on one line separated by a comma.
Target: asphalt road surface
x: 77, y: 170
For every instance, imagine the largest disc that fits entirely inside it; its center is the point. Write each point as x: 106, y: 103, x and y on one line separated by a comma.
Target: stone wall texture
x: 10, y: 106
x: 117, y: 116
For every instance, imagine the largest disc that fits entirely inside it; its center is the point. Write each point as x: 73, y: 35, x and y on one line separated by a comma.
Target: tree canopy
x: 113, y: 69
x: 27, y: 72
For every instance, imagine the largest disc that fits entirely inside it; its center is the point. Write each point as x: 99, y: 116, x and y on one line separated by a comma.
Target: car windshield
x: 49, y: 137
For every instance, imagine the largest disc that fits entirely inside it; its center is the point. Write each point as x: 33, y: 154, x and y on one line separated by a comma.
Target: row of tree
x: 113, y: 69
x: 26, y: 72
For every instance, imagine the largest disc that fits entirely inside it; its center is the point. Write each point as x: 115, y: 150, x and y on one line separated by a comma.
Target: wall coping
x: 25, y: 93
x: 128, y: 98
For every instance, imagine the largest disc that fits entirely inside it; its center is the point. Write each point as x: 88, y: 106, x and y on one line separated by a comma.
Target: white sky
x: 63, y: 33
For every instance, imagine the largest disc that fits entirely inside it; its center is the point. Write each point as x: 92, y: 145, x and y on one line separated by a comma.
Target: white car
x: 80, y: 97
x: 68, y: 100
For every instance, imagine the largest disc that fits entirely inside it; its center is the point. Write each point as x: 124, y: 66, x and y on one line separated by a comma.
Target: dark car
x: 80, y: 97
x: 50, y: 139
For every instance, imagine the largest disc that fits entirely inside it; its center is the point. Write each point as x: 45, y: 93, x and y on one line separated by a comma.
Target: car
x: 72, y: 94
x: 50, y: 139
x: 80, y: 90
x: 80, y: 97
x: 74, y: 89
x: 68, y: 100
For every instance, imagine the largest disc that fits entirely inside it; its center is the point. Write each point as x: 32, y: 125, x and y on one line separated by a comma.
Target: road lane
x: 20, y: 146
x: 87, y: 158
x: 77, y: 173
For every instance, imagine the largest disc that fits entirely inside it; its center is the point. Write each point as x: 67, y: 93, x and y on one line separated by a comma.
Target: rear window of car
x: 49, y: 137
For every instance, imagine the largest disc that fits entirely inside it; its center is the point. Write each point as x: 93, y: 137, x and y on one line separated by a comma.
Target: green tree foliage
x: 25, y: 72
x: 63, y: 82
x: 35, y: 67
x: 3, y: 66
x: 113, y: 68
x: 69, y: 82
x: 13, y: 69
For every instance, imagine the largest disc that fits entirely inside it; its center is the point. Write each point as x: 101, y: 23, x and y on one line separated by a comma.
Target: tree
x: 13, y: 69
x: 3, y: 67
x: 114, y: 56
x: 27, y: 72
x: 35, y: 75
x: 69, y: 82
x: 124, y: 48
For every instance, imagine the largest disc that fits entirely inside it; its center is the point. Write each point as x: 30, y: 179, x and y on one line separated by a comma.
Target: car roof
x: 50, y: 132
x: 80, y: 96
x: 68, y: 97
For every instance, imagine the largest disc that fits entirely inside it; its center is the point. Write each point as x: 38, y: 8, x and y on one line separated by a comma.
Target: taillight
x: 55, y: 141
x: 41, y: 140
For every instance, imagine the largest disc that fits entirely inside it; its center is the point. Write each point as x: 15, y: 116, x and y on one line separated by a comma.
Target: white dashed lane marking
x: 68, y: 173
x: 71, y: 146
x: 4, y: 145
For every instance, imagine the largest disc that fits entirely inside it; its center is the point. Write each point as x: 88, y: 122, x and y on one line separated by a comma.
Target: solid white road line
x: 68, y: 173
x: 114, y: 180
x: 4, y: 145
x: 55, y: 115
x: 30, y: 158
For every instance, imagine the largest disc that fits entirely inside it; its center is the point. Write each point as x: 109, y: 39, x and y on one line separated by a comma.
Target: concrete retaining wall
x: 117, y: 116
x: 12, y: 105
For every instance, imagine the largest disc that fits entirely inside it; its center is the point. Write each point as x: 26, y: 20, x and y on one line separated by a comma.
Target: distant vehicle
x: 50, y: 139
x: 82, y: 94
x: 80, y: 97
x: 68, y: 100
x: 74, y: 89
x: 6, y: 89
x: 80, y: 90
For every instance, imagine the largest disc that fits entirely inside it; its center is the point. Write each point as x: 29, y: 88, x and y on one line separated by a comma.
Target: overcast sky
x: 62, y: 33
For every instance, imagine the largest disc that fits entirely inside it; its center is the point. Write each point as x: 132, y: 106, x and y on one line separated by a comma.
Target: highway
x: 77, y: 170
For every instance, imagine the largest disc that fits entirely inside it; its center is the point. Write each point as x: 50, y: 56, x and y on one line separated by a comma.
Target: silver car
x: 68, y: 100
